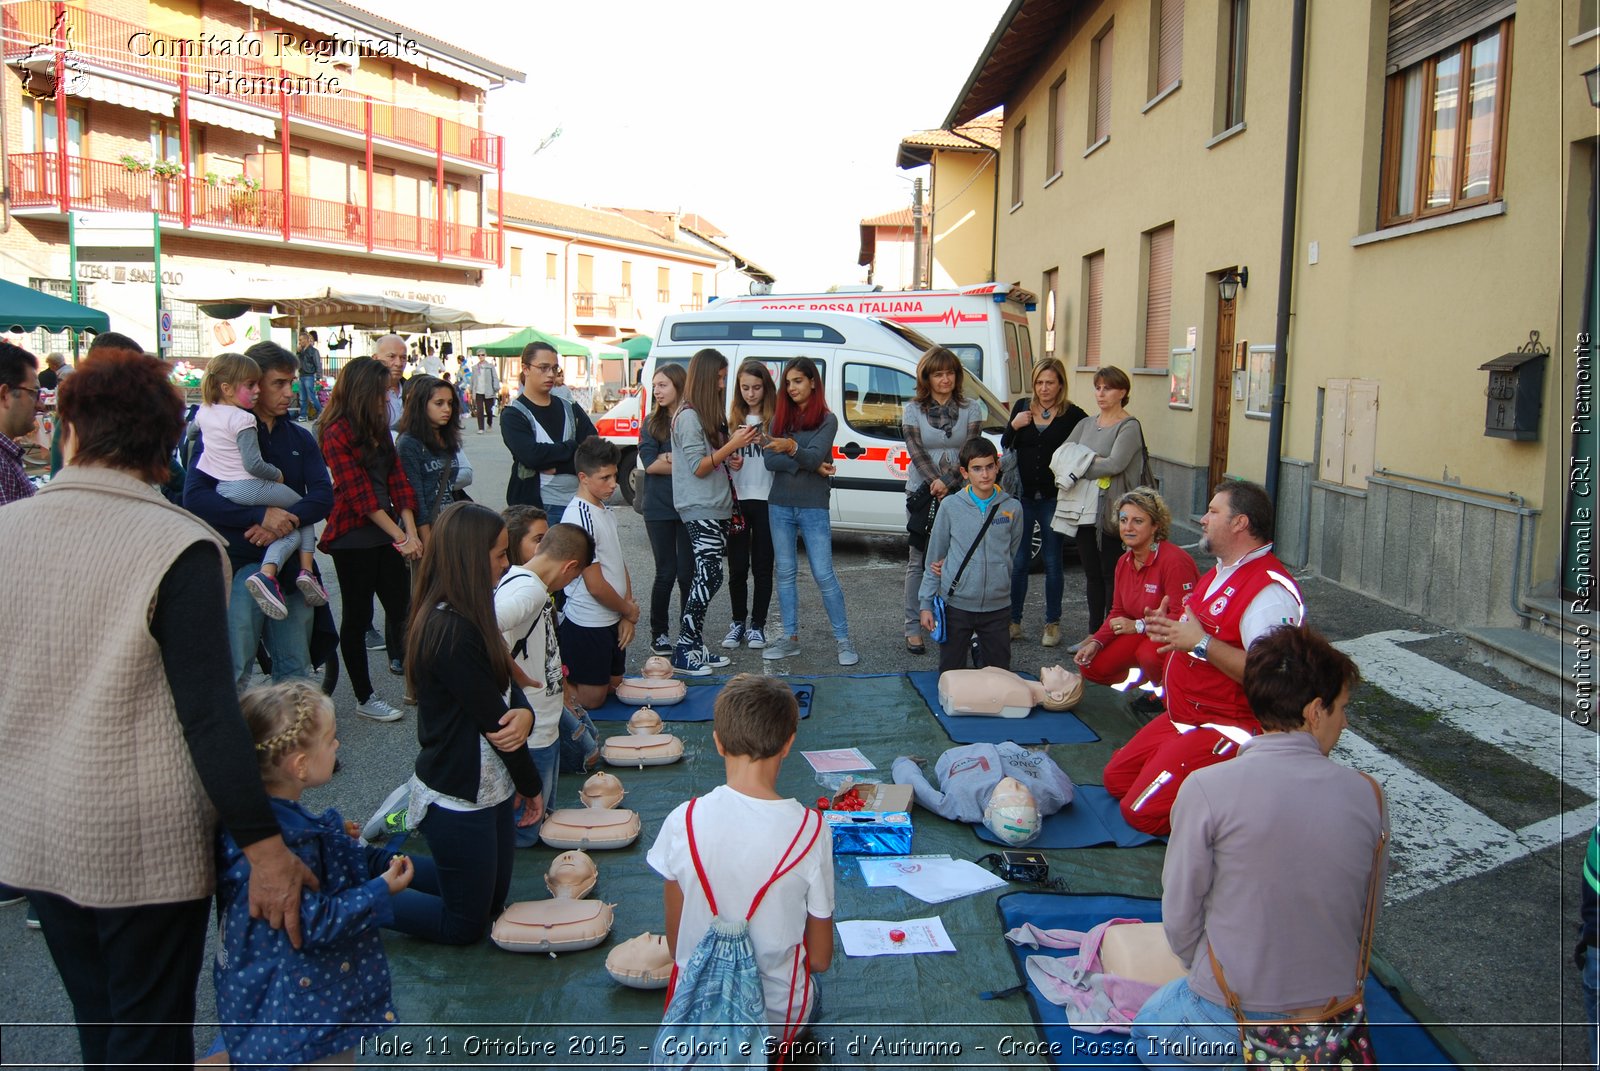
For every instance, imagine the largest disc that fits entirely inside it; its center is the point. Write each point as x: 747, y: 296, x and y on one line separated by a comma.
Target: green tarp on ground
x: 570, y: 1000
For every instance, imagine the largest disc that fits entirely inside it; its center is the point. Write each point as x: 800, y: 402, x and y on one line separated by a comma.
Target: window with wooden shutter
x: 1058, y: 128
x: 1094, y: 270
x: 1100, y: 104
x: 1158, y: 299
x: 1444, y: 117
x: 1016, y: 163
x: 1169, y: 45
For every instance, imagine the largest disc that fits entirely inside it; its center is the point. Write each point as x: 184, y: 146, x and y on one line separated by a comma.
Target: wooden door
x: 1221, y: 395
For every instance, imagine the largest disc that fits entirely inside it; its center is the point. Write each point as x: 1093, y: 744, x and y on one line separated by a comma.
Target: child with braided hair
x: 284, y: 1006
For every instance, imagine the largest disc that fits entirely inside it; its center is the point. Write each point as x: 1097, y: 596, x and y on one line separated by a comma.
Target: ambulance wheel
x: 630, y: 479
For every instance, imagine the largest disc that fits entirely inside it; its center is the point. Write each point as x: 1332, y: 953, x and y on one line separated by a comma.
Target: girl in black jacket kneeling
x: 472, y: 757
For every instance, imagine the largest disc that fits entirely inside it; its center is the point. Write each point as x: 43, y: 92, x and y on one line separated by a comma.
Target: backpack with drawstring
x: 716, y: 1003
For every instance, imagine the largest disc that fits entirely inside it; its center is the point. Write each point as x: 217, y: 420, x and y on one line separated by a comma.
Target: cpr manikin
x: 1005, y: 786
x: 657, y: 687
x: 999, y: 693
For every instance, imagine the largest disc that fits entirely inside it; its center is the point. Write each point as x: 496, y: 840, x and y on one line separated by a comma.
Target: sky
x: 778, y: 123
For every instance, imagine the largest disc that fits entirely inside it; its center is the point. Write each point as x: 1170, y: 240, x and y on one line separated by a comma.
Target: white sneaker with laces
x: 379, y: 710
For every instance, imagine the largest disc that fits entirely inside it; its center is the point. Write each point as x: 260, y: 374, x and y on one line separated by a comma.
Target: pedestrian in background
x: 310, y: 359
x: 484, y: 383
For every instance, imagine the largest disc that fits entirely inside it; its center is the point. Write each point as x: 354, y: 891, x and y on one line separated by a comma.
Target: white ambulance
x: 869, y: 369
x: 986, y: 325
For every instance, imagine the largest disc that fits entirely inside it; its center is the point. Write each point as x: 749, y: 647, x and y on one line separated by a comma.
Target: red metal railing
x: 111, y: 186
x: 115, y: 44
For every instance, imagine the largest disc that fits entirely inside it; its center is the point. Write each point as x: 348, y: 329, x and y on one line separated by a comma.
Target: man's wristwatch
x: 1201, y: 648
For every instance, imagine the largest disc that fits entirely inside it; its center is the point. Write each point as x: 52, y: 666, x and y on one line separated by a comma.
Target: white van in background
x: 869, y: 373
x: 985, y: 325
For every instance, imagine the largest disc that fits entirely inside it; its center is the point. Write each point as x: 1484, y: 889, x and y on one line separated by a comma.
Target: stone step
x: 1554, y: 618
x: 1539, y: 661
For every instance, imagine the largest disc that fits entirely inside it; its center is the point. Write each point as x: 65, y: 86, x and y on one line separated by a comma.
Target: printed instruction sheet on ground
x: 839, y: 760
x: 873, y: 937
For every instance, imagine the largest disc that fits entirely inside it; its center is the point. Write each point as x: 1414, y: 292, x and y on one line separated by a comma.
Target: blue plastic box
x: 869, y: 832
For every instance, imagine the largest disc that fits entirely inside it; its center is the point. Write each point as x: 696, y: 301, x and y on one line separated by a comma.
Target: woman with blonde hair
x: 1038, y: 426
x: 937, y: 422
x: 1151, y: 571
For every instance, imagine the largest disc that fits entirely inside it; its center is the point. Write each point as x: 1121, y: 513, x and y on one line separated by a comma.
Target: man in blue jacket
x: 249, y: 529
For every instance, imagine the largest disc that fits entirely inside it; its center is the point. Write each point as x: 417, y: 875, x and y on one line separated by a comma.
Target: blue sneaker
x: 264, y: 590
x: 690, y: 662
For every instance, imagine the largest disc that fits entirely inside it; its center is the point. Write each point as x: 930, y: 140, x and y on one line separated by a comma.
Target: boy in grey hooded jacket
x: 978, y: 597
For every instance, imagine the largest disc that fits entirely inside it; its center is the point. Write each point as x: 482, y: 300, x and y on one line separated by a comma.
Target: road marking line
x: 1437, y: 837
x: 1537, y: 735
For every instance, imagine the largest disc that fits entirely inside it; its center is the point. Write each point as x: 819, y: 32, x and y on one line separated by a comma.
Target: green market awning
x: 512, y: 345
x: 638, y: 346
x: 23, y: 308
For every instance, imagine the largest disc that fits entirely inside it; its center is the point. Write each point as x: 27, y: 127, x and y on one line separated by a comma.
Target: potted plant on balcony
x: 245, y: 199
x: 167, y: 169
x: 133, y: 163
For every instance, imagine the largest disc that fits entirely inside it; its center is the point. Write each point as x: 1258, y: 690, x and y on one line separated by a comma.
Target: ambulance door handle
x: 852, y: 450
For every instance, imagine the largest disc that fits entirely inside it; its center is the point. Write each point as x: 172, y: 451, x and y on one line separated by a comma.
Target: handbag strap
x: 1368, y: 924
x: 988, y: 515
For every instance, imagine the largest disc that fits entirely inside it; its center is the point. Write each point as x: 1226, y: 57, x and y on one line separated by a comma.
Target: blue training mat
x: 1040, y: 727
x: 1092, y: 818
x: 696, y: 705
x: 1399, y: 1041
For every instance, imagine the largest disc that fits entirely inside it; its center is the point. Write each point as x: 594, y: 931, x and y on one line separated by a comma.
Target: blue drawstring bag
x: 715, y: 1006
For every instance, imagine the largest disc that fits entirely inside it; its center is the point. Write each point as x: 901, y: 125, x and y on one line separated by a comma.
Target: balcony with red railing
x: 104, y: 185
x: 106, y: 43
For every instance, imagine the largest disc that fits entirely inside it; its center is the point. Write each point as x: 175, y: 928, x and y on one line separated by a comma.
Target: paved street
x: 1490, y: 792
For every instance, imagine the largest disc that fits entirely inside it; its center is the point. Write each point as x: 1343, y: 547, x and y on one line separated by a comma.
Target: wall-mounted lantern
x: 1228, y: 286
x: 1516, y: 391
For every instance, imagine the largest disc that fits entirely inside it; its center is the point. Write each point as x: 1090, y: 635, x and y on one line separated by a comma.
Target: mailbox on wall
x: 1516, y: 392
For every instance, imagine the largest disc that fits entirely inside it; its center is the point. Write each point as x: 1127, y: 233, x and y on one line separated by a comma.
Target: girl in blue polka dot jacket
x: 281, y: 1006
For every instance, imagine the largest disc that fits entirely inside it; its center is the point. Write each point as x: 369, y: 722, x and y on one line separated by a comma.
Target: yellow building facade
x: 1441, y: 213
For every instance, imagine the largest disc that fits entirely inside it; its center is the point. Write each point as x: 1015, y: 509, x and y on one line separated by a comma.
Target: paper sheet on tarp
x: 873, y: 937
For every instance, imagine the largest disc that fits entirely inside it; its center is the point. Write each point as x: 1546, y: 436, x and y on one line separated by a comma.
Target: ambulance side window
x: 875, y: 400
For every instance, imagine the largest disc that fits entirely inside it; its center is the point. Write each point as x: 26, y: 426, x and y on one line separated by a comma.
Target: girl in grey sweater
x: 703, y: 497
x: 800, y: 455
x: 1118, y: 441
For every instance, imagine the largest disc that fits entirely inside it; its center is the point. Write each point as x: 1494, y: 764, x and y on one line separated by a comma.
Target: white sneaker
x: 847, y: 653
x: 735, y: 636
x: 379, y: 710
x: 782, y: 647
x: 755, y: 639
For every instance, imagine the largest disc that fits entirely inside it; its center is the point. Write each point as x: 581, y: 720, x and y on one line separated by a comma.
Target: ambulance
x: 869, y: 373
x: 985, y: 325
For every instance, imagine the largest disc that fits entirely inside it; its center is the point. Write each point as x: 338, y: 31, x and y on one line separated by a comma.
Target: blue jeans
x: 813, y: 525
x: 1178, y: 1026
x: 473, y: 852
x: 1038, y: 511
x: 547, y: 760
x: 288, y: 641
x: 580, y: 741
x: 308, y: 397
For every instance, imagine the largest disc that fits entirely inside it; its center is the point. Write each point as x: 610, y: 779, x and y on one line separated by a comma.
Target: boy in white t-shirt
x: 744, y: 832
x: 598, y: 619
x: 543, y: 559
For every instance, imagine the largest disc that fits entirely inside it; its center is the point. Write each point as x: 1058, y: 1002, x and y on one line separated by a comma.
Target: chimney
x: 672, y: 226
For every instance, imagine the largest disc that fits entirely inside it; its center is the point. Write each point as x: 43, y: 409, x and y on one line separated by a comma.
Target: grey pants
x: 265, y: 493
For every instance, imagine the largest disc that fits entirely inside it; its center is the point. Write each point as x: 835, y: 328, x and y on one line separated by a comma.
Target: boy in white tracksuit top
x: 978, y: 597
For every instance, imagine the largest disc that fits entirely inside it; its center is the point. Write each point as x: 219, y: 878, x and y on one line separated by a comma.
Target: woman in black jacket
x: 1038, y: 426
x: 472, y: 757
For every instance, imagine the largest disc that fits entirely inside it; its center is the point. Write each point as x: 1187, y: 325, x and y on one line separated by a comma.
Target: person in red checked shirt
x: 1151, y: 571
x: 1244, y: 596
x: 372, y: 532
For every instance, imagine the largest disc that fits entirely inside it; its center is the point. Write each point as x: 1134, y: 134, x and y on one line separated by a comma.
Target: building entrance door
x: 1221, y: 395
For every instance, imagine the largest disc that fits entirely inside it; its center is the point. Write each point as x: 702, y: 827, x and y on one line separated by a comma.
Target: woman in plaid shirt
x: 372, y: 531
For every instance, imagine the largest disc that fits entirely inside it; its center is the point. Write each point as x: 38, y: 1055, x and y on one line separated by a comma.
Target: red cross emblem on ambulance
x: 899, y: 461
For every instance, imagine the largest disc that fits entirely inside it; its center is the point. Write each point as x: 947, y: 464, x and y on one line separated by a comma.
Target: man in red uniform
x: 1244, y: 595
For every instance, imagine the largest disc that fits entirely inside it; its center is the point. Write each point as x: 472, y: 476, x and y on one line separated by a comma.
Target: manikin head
x: 1011, y: 813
